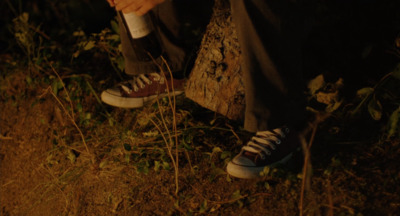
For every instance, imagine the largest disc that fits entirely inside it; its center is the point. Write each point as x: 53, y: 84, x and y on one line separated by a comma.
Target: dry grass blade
x: 307, y: 167
x: 305, y: 182
x: 70, y: 114
x: 330, y: 200
x: 75, y: 125
x: 168, y: 143
x: 65, y: 89
x: 5, y: 137
x: 172, y: 103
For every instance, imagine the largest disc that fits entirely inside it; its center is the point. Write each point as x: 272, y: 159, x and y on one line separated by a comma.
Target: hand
x: 111, y: 2
x: 139, y: 7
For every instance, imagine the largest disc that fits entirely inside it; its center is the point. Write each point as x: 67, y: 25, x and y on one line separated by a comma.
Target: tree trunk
x: 216, y: 79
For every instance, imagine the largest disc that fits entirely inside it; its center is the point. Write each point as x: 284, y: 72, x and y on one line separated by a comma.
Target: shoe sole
x: 126, y: 102
x: 249, y: 172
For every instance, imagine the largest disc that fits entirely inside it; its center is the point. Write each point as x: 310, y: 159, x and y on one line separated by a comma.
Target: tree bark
x: 216, y: 79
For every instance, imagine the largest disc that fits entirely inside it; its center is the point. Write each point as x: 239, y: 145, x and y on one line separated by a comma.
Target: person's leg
x: 167, y: 27
x: 171, y: 19
x: 270, y: 34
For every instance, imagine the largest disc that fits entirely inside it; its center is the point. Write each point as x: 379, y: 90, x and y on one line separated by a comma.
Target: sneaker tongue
x: 250, y: 155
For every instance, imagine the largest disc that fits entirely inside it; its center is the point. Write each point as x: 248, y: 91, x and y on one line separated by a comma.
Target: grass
x: 133, y: 170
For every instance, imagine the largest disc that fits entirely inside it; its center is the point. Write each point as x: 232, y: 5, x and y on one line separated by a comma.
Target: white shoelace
x: 141, y: 80
x: 263, y: 141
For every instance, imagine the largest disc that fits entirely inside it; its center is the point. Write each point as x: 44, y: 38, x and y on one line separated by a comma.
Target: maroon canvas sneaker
x: 266, y: 148
x: 142, y: 89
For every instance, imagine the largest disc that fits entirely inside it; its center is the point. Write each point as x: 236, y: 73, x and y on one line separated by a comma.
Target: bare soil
x: 46, y: 169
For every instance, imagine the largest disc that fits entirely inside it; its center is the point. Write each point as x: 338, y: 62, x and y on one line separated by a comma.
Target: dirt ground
x: 125, y: 170
x: 46, y: 171
x: 63, y: 152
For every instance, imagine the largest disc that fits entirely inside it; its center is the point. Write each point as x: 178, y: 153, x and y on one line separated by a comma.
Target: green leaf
x: 127, y: 158
x: 110, y: 122
x: 240, y: 203
x: 332, y: 107
x: 217, y: 171
x: 71, y: 156
x: 150, y: 134
x: 24, y: 17
x: 216, y: 149
x: 267, y: 186
x: 315, y: 84
x: 88, y: 116
x: 157, y: 165
x: 166, y: 165
x: 121, y: 62
x: 203, y: 207
x: 28, y: 80
x: 55, y: 86
x: 103, y: 163
x: 78, y: 33
x: 187, y: 147
x: 364, y: 92
x: 212, y: 121
x: 394, y: 122
x: 114, y: 26
x: 79, y: 107
x: 176, y: 204
x: 236, y: 195
x: 89, y: 45
x: 225, y: 154
x: 265, y: 171
x: 76, y: 54
x: 143, y: 167
x: 113, y: 37
x: 375, y: 109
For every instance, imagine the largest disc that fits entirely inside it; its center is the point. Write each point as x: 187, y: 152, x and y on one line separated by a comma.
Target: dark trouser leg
x: 270, y: 35
x: 171, y: 17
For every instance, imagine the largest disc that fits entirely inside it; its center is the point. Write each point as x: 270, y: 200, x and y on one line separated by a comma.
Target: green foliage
x: 204, y: 207
x: 28, y: 39
x: 385, y: 90
x: 375, y: 109
x: 394, y: 123
x: 107, y: 42
x: 365, y: 92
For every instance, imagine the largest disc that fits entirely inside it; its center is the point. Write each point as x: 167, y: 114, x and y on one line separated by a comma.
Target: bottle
x: 142, y: 36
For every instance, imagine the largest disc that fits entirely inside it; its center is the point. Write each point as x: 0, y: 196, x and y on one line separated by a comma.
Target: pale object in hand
x: 139, y: 26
